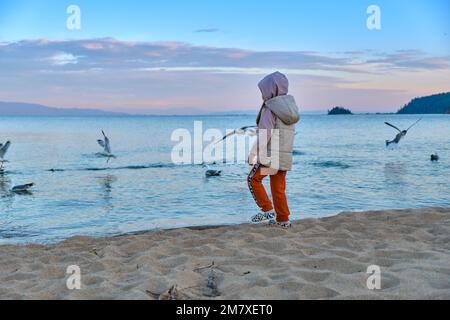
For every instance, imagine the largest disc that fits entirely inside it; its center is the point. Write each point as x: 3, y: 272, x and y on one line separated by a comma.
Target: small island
x: 339, y: 111
x: 434, y: 104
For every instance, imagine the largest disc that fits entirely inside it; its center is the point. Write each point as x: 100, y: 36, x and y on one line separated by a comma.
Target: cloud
x: 116, y: 55
x: 122, y: 75
x: 207, y: 30
x: 412, y: 60
x: 113, y: 54
x: 93, y: 45
x: 63, y: 58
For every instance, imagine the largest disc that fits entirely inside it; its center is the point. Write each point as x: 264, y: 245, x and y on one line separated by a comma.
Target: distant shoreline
x: 210, y: 115
x: 434, y: 104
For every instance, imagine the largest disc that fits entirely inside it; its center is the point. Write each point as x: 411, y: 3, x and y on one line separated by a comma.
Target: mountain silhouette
x: 434, y: 104
x: 29, y: 109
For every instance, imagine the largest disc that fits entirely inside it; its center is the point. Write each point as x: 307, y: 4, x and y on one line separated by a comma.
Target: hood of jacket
x: 285, y: 108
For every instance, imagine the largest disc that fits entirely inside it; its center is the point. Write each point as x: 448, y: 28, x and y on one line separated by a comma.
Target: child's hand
x: 251, y: 159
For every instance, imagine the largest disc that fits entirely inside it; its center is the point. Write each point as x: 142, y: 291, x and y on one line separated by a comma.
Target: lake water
x: 340, y: 163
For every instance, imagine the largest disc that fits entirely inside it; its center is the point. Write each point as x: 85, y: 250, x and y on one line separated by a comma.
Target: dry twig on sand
x: 205, y: 267
x: 171, y: 294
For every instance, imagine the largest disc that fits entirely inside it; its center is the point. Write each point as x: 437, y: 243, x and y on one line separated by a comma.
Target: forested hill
x: 438, y: 103
x: 339, y: 111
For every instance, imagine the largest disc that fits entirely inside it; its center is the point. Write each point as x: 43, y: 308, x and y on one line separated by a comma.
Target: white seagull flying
x: 105, y: 144
x: 250, y: 130
x: 400, y: 135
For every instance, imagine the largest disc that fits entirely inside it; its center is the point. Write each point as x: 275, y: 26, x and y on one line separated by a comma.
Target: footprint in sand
x: 335, y: 264
x: 275, y: 245
x: 313, y: 292
x: 92, y: 280
x: 314, y: 276
x: 388, y: 281
x: 439, y: 282
x: 173, y: 262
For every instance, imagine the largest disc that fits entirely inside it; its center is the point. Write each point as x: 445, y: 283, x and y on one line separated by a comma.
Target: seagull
x: 3, y: 149
x: 250, y: 130
x: 211, y: 172
x: 22, y: 188
x: 106, y: 147
x: 401, y: 134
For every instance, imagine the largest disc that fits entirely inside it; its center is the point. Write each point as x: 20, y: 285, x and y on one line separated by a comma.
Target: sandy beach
x: 317, y: 259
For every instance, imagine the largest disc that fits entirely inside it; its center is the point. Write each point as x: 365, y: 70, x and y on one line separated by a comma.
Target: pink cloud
x: 113, y: 74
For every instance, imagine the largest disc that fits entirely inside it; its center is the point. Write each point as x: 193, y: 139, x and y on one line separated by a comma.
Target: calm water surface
x: 341, y: 163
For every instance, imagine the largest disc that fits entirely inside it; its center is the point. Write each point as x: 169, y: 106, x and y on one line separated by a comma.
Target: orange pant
x: 277, y: 188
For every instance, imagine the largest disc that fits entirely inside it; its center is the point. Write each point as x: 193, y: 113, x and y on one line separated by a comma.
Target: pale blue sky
x: 310, y: 39
x: 326, y: 25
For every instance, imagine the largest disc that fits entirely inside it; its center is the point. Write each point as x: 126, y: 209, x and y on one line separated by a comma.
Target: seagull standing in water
x: 25, y: 188
x: 435, y: 157
x: 211, y: 172
x: 105, y: 144
x: 3, y: 149
x: 250, y: 130
x: 400, y: 135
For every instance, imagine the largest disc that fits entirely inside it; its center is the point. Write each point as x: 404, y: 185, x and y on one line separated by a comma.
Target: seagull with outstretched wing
x: 250, y: 130
x: 400, y: 135
x: 106, y: 145
x: 3, y: 149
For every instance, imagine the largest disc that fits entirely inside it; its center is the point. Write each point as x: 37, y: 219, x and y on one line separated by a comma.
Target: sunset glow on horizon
x: 208, y: 56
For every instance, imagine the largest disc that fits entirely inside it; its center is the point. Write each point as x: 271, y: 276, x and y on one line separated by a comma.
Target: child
x: 273, y: 150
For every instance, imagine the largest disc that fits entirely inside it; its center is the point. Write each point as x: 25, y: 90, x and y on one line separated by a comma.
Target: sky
x: 189, y: 56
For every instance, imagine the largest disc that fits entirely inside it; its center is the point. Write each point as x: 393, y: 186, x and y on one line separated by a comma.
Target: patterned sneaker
x: 284, y: 225
x: 263, y: 216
